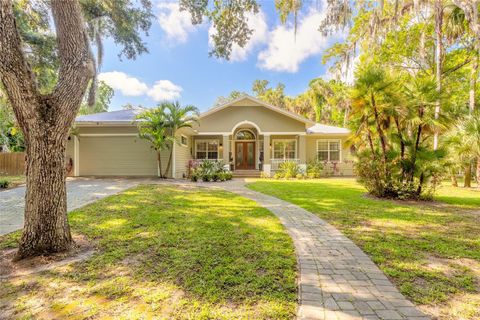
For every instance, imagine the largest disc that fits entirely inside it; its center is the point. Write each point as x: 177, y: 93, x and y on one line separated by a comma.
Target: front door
x: 244, y: 155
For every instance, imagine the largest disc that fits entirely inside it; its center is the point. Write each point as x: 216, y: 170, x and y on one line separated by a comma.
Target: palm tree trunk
x: 453, y: 178
x: 159, y: 164
x: 478, y: 172
x: 438, y: 62
x: 473, y: 84
x: 468, y: 176
x: 169, y: 161
x: 380, y: 133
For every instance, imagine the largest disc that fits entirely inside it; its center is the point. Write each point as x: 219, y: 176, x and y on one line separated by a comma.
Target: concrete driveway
x: 80, y: 191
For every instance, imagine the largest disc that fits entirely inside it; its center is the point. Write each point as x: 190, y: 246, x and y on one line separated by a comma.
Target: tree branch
x: 76, y: 60
x: 15, y: 73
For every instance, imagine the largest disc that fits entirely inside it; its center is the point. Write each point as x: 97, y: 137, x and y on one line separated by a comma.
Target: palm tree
x: 177, y: 117
x: 152, y: 127
x: 467, y: 142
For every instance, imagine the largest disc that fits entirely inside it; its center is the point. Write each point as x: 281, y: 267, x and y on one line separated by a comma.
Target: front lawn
x: 462, y: 197
x: 166, y: 253
x: 430, y: 250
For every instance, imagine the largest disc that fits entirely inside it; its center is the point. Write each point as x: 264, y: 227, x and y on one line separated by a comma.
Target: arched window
x: 245, y: 135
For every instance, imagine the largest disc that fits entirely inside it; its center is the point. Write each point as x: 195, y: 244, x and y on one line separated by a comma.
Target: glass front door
x: 245, y: 155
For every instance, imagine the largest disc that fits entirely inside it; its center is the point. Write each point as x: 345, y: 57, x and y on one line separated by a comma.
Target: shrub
x: 288, y: 170
x: 395, y: 184
x: 315, y: 169
x: 264, y: 175
x: 209, y: 171
x: 4, y: 184
x: 194, y: 176
x: 228, y: 175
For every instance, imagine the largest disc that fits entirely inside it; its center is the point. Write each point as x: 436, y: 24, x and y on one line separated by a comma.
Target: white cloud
x: 256, y: 22
x: 131, y: 86
x: 175, y: 23
x: 164, y: 90
x: 128, y: 86
x: 285, y: 52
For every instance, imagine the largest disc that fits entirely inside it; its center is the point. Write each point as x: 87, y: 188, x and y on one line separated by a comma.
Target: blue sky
x: 179, y: 67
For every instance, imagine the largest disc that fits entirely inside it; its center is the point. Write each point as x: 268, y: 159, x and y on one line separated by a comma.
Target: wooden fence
x: 12, y: 164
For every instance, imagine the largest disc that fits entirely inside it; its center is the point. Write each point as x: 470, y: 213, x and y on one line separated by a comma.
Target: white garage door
x: 116, y: 156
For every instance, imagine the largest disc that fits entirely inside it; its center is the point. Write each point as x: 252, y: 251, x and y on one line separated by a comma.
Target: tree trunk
x: 380, y: 133
x: 46, y: 228
x: 468, y: 176
x: 473, y: 85
x: 159, y: 164
x: 478, y: 173
x: 438, y: 62
x: 453, y: 178
x: 169, y: 163
x: 45, y: 120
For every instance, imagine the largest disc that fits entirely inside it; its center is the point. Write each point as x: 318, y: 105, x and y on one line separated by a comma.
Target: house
x: 247, y: 134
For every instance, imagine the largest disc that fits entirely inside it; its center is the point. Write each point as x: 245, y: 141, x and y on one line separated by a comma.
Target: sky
x: 178, y: 66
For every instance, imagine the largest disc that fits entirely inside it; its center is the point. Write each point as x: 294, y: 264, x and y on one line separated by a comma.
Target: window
x: 184, y: 140
x: 328, y: 150
x: 206, y: 149
x: 245, y: 135
x: 284, y: 149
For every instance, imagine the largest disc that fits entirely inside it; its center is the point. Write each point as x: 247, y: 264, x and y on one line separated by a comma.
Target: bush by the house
x: 207, y: 171
x: 315, y: 169
x: 4, y: 184
x: 288, y: 170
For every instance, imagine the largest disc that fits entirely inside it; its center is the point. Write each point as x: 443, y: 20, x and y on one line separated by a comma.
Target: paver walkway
x: 80, y: 192
x: 337, y: 279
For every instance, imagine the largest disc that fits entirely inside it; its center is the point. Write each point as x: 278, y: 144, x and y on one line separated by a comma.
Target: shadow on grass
x: 168, y: 252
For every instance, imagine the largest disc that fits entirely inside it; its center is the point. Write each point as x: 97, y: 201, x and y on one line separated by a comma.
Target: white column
x: 302, y: 152
x: 226, y: 150
x: 266, y: 154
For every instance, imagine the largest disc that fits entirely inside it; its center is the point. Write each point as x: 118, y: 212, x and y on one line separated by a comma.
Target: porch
x: 249, y: 151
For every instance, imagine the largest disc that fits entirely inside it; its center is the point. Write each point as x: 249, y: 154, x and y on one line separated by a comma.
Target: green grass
x: 167, y: 253
x: 461, y: 197
x: 431, y: 251
x: 13, y: 181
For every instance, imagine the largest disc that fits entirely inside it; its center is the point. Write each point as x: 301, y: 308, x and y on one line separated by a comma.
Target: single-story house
x: 247, y: 134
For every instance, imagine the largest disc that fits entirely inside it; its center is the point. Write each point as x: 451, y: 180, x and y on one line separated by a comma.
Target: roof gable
x: 251, y: 101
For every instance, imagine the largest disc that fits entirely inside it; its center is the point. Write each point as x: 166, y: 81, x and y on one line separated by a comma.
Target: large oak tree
x: 45, y: 112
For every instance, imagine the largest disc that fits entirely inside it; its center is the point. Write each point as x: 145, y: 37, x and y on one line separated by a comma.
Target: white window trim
x: 328, y: 143
x: 283, y: 140
x: 181, y: 143
x: 208, y: 140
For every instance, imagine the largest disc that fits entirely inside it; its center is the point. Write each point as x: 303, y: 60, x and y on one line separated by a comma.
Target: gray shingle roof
x: 112, y: 116
x: 323, y: 128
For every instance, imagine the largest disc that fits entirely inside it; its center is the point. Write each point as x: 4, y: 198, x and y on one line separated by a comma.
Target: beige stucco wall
x: 267, y: 120
x: 182, y: 155
x: 345, y: 166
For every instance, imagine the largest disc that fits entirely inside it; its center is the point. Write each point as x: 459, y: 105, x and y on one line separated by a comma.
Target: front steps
x: 246, y: 174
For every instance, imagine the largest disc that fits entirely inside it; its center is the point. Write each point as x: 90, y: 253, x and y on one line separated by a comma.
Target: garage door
x: 116, y: 156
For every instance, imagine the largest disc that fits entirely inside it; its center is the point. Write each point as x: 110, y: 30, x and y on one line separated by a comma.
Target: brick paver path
x: 337, y: 279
